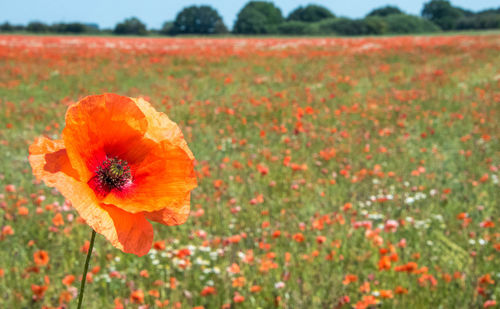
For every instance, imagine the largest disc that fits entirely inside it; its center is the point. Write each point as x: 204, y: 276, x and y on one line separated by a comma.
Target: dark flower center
x: 113, y: 173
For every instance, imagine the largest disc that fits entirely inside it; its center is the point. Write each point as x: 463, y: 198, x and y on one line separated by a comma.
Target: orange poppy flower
x: 120, y: 163
x: 137, y: 297
x: 68, y: 280
x: 41, y: 258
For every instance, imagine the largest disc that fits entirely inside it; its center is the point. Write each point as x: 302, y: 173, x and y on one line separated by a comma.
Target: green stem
x: 84, y: 276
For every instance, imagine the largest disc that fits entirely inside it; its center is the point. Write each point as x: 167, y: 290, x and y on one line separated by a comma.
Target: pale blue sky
x: 153, y: 13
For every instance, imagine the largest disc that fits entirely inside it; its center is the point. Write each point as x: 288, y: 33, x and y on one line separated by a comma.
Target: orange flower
x: 384, y: 263
x: 41, y: 258
x: 208, y: 290
x: 120, y: 163
x: 255, y: 288
x: 38, y: 291
x: 58, y: 219
x: 349, y: 278
x: 239, y: 282
x: 386, y: 294
x: 238, y: 298
x: 401, y: 290
x: 299, y: 237
x: 68, y: 280
x: 137, y: 297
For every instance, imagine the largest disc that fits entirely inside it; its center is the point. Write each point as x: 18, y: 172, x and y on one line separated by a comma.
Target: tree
x: 311, y: 13
x: 442, y: 13
x: 69, y: 28
x: 343, y: 26
x: 298, y: 28
x: 375, y: 25
x: 167, y: 28
x: 407, y: 24
x: 385, y: 11
x: 198, y: 20
x: 37, y: 27
x: 6, y: 27
x: 131, y: 26
x: 489, y: 11
x: 258, y: 17
x: 479, y: 22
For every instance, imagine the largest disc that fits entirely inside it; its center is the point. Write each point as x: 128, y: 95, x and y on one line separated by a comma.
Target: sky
x: 107, y: 13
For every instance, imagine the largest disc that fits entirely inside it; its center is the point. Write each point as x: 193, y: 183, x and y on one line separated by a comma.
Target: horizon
x: 106, y: 15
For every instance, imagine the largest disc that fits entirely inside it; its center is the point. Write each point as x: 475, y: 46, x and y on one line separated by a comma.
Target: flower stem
x: 84, y: 276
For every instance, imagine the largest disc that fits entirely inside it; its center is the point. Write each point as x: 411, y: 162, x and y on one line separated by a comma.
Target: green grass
x: 386, y: 113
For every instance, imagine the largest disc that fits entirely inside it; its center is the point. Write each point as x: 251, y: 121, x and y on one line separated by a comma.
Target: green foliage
x: 385, y: 11
x: 406, y: 24
x: 198, y: 20
x: 69, y: 28
x: 442, y: 13
x: 310, y: 13
x: 258, y: 17
x: 342, y: 26
x: 298, y: 28
x: 130, y: 26
x: 479, y: 22
x: 375, y: 25
x: 167, y: 28
x: 37, y: 27
x: 6, y: 27
x: 489, y: 11
x: 353, y: 27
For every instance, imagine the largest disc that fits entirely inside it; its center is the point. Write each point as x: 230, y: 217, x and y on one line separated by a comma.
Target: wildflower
x: 349, y: 278
x: 41, y: 258
x: 386, y: 294
x: 7, y: 230
x: 137, y: 297
x: 38, y: 291
x: 238, y: 298
x: 58, y: 219
x: 208, y: 290
x: 255, y: 288
x: 299, y: 237
x: 400, y: 290
x: 239, y: 282
x: 68, y: 280
x: 120, y: 163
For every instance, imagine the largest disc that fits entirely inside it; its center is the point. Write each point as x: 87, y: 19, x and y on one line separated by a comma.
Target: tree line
x: 264, y: 18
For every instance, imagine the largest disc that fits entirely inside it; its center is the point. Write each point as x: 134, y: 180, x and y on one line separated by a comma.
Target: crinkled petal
x: 47, y: 158
x: 134, y: 232
x: 160, y: 181
x: 161, y: 128
x: 104, y: 125
x: 131, y: 233
x: 171, y: 216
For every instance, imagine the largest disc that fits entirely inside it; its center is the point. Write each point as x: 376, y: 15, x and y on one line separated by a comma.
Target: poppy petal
x: 161, y: 180
x: 104, y: 125
x: 160, y: 127
x: 169, y: 216
x: 131, y: 233
x: 47, y: 158
x: 134, y: 233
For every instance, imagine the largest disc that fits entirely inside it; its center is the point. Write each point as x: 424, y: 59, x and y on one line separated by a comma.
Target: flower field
x: 332, y: 173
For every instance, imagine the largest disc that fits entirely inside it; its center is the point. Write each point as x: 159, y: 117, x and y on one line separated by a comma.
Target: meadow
x: 332, y: 173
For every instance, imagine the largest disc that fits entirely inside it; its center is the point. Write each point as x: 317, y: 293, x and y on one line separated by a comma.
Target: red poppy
x: 120, y: 163
x: 41, y: 258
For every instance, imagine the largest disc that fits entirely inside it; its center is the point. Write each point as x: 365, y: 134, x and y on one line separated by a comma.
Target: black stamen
x: 113, y: 173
